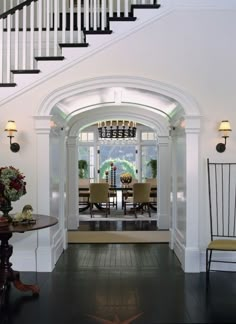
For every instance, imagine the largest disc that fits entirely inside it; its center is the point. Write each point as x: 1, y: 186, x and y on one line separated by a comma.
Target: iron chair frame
x: 223, y: 238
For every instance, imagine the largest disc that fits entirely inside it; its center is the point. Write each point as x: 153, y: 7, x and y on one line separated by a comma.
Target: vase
x: 125, y: 179
x: 5, y: 208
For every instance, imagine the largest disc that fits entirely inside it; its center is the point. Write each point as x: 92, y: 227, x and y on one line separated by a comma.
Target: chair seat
x: 225, y: 245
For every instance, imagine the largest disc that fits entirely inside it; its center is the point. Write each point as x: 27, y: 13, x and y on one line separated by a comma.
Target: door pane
x: 86, y: 153
x: 149, y: 152
x: 122, y: 156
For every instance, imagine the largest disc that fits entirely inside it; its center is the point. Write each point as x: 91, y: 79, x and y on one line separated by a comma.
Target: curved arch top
x: 186, y: 101
x: 155, y: 121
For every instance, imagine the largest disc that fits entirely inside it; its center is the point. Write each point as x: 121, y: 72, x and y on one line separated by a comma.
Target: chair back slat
x: 222, y: 199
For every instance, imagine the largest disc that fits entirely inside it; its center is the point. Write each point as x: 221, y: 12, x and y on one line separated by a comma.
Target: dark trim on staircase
x: 73, y: 44
x: 5, y: 85
x: 18, y: 7
x: 98, y: 32
x: 145, y: 6
x: 25, y: 71
x: 49, y: 58
x: 122, y: 18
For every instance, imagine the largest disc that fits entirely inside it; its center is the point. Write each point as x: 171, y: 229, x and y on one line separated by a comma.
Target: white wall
x: 192, y: 50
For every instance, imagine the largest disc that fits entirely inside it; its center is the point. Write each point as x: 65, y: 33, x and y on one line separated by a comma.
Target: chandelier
x: 116, y: 129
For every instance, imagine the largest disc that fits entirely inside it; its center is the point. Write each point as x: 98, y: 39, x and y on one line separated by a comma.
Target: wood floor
x: 122, y: 283
x: 98, y: 225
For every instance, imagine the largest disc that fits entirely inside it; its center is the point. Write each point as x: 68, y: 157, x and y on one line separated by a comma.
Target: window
x: 86, y: 136
x: 148, y: 136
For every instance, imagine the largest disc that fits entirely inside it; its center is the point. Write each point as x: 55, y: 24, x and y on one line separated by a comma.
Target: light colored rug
x: 118, y: 236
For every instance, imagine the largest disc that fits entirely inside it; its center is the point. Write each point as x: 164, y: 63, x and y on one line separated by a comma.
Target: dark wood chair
x: 99, y: 196
x: 222, y: 210
x: 140, y: 199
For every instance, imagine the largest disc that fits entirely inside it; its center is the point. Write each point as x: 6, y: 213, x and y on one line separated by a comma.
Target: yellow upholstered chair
x: 222, y: 203
x: 83, y: 194
x: 128, y: 191
x: 153, y: 194
x: 112, y: 194
x: 140, y: 200
x: 99, y: 196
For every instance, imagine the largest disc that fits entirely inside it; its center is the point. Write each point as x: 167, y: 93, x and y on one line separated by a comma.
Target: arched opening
x: 102, y: 99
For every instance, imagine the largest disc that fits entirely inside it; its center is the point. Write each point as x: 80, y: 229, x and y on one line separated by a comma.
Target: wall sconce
x: 11, y: 128
x: 225, y: 129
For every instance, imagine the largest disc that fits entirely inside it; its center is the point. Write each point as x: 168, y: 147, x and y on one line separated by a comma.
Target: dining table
x: 7, y: 274
x: 126, y: 191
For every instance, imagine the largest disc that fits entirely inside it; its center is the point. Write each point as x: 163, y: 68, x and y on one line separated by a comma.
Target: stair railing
x: 36, y: 28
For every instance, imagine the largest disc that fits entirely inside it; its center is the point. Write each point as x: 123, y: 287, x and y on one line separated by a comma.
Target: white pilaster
x: 192, y: 251
x: 44, y: 252
x: 72, y: 182
x: 163, y: 195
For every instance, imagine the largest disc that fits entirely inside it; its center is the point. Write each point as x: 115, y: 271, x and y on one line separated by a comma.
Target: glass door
x: 148, y: 162
x: 123, y: 157
x: 86, y: 162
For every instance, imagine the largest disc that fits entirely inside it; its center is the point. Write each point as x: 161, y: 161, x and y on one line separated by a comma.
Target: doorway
x: 145, y: 110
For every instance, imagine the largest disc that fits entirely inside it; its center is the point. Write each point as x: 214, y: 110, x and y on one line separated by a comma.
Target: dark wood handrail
x: 18, y: 7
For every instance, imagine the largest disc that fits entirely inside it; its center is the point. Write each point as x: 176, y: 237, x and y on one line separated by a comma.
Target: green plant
x: 153, y: 165
x: 83, y: 168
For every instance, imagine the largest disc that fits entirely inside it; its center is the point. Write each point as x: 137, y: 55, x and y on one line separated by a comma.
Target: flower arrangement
x: 126, y: 178
x: 12, y: 184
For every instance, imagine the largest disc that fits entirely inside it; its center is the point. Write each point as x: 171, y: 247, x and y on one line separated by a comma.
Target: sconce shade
x: 225, y: 128
x: 10, y: 127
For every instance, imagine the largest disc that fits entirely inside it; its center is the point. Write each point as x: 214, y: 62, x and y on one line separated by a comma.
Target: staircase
x: 41, y: 38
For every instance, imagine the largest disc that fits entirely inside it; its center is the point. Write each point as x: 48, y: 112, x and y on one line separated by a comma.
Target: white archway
x: 187, y: 246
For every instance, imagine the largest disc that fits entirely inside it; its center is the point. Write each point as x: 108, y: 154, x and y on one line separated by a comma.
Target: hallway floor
x: 122, y: 283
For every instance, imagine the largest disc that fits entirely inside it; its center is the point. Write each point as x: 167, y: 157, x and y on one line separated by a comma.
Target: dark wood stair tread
x: 25, y: 71
x: 6, y: 85
x: 49, y: 58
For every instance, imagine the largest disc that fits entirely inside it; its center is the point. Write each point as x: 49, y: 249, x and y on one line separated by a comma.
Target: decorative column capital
x: 42, y: 124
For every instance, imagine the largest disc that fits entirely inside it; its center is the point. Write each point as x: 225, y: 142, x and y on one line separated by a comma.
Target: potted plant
x: 153, y: 164
x: 83, y: 168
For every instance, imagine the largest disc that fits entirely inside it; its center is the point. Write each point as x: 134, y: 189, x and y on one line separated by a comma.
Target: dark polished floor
x: 118, y: 226
x: 122, y: 283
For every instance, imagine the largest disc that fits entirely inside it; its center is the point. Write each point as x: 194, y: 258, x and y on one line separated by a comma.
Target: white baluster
x: 32, y: 35
x: 63, y: 21
x: 44, y: 11
x: 16, y: 46
x: 103, y: 12
x: 8, y: 63
x: 126, y: 8
x: 4, y: 9
x: 79, y: 35
x: 24, y: 45
x: 95, y: 14
x: 71, y: 20
x: 47, y: 28
x: 111, y: 12
x: 55, y: 43
x: 40, y: 24
x: 86, y: 14
x: 118, y: 8
x: 1, y: 50
x: 51, y: 13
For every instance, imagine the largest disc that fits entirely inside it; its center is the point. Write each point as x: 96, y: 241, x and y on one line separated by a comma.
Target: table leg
x: 7, y: 274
